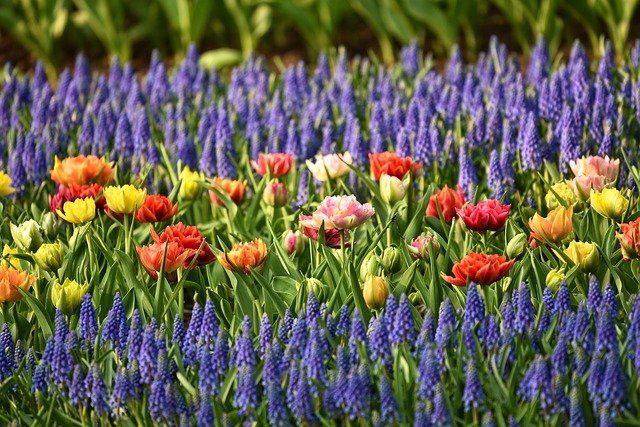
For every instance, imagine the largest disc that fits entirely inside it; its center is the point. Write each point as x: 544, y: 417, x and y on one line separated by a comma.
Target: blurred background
x: 226, y: 31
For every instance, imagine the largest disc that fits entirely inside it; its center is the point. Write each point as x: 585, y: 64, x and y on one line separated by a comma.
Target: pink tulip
x: 597, y: 166
x: 583, y: 184
x: 339, y: 212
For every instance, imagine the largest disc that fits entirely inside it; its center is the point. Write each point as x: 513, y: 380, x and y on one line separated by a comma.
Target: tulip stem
x: 127, y: 241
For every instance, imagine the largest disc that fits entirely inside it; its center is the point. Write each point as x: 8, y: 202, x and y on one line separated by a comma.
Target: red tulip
x: 278, y: 164
x: 331, y: 236
x: 449, y: 200
x: 486, y: 215
x: 391, y: 164
x: 156, y: 208
x: 479, y: 268
x: 75, y: 191
x: 190, y: 238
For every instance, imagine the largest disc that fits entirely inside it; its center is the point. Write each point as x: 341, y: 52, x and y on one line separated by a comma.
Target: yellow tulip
x: 67, y: 296
x: 555, y: 278
x: 375, y: 291
x: 564, y: 192
x: 9, y: 261
x: 609, y: 203
x: 583, y: 254
x: 191, y: 187
x: 5, y: 185
x: 124, y: 199
x: 79, y: 211
x: 555, y: 227
x: 50, y: 255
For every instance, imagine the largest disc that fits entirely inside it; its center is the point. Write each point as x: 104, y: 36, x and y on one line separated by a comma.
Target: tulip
x: 8, y: 260
x: 275, y: 194
x: 276, y: 164
x: 479, y: 268
x: 50, y: 225
x: 75, y: 191
x: 10, y: 281
x: 583, y: 185
x: 517, y: 245
x: 488, y: 215
x: 609, y: 203
x: 27, y: 236
x: 244, y: 256
x: 556, y: 226
x: 597, y: 166
x: 555, y: 278
x: 419, y: 247
x: 152, y: 255
x: 294, y: 241
x: 234, y: 189
x: 191, y: 184
x: 81, y: 170
x: 583, y: 254
x: 391, y: 259
x: 331, y: 166
x: 564, y: 191
x: 375, y: 291
x: 190, y: 239
x: 50, y: 256
x: 333, y: 238
x: 630, y: 240
x: 79, y: 211
x: 392, y: 189
x: 447, y: 200
x: 370, y: 266
x: 156, y: 208
x: 124, y: 199
x: 5, y: 185
x: 319, y: 289
x: 391, y: 164
x: 339, y: 212
x: 67, y: 296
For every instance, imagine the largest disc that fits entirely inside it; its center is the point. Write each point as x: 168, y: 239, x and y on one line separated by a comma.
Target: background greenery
x: 228, y: 30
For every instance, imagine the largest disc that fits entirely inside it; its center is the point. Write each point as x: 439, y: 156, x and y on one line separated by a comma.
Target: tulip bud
x: 50, y: 225
x: 517, y: 245
x: 8, y: 260
x: 555, y: 278
x: 294, y: 241
x: 27, y: 236
x: 415, y: 298
x: 392, y: 189
x: 563, y: 191
x: 191, y: 186
x: 370, y: 265
x: 275, y: 194
x: 50, y: 256
x: 609, y: 203
x: 584, y: 254
x: 319, y: 289
x: 68, y: 295
x: 419, y: 248
x: 375, y: 291
x: 391, y: 260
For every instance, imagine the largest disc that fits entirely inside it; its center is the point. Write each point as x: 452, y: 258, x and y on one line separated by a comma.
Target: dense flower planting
x: 449, y: 247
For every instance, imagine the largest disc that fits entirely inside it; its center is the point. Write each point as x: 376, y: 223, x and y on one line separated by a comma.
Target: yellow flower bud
x: 191, y: 186
x: 609, y: 203
x: 375, y: 291
x: 50, y: 256
x: 370, y: 265
x: 79, y: 211
x: 564, y: 192
x: 321, y: 290
x: 124, y: 199
x: 68, y: 295
x: 392, y: 189
x: 583, y: 254
x: 555, y: 278
x: 27, y: 236
x: 9, y: 261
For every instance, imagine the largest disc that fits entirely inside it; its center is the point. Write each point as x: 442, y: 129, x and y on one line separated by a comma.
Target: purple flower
x: 97, y: 391
x: 244, y: 352
x: 389, y: 410
x: 441, y: 415
x: 116, y: 328
x: 446, y: 324
x: 403, y: 330
x: 525, y: 316
x: 473, y: 394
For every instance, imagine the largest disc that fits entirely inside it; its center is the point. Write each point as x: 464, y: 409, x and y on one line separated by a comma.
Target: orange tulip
x: 630, y: 240
x: 233, y: 188
x: 81, y: 170
x: 12, y: 279
x: 555, y: 227
x: 244, y: 256
x: 151, y: 257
